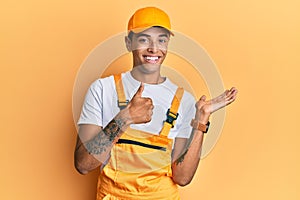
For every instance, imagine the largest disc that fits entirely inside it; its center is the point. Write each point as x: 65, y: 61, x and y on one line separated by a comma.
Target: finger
x: 233, y: 89
x: 220, y: 97
x: 232, y: 94
x: 148, y: 118
x: 226, y: 93
x: 150, y: 113
x: 225, y: 98
x: 152, y: 107
x: 140, y: 90
x: 230, y: 100
x: 232, y: 97
x: 149, y: 101
x: 202, y: 98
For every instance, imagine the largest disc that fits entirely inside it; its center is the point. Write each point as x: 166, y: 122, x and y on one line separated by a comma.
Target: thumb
x: 203, y: 98
x: 140, y: 90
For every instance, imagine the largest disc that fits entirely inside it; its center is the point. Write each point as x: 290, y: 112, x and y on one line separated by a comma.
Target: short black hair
x: 130, y: 34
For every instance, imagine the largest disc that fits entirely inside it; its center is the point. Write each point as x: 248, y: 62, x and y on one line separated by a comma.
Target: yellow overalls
x: 140, y: 164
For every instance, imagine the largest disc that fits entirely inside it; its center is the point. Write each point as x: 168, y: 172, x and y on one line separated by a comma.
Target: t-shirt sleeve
x: 189, y: 110
x: 92, y: 108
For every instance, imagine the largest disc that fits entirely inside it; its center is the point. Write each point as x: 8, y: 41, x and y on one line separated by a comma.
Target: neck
x: 149, y: 78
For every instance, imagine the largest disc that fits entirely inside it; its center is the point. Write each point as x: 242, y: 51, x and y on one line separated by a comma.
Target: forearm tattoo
x: 181, y: 158
x: 105, y: 138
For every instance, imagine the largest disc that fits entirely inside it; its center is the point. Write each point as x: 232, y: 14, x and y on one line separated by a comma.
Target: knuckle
x: 149, y: 100
x: 146, y: 119
x: 206, y: 109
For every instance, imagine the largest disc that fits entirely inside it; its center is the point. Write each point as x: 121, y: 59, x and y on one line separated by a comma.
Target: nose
x: 152, y: 47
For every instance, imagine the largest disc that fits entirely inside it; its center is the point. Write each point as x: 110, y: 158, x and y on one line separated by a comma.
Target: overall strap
x: 122, y: 101
x: 172, y: 113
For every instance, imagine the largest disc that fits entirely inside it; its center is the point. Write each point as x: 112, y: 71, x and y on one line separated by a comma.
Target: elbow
x: 85, y: 163
x: 80, y: 169
x: 79, y: 164
x: 182, y: 181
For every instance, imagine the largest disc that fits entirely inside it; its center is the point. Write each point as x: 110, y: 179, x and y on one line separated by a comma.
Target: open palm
x: 210, y: 106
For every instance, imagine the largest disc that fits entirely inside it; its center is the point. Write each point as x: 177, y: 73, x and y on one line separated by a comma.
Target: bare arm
x: 186, y: 158
x: 187, y: 152
x: 94, y: 143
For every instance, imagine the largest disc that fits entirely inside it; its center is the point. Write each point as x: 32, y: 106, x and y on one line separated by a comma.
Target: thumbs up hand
x: 140, y: 108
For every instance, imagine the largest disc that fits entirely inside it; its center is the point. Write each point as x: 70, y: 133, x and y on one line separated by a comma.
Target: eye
x: 163, y: 40
x: 143, y: 40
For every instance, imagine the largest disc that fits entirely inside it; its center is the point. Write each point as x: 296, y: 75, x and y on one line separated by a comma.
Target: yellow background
x: 255, y: 45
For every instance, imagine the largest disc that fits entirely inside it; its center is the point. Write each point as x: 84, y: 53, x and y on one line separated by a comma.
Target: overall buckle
x: 171, y: 117
x: 122, y: 104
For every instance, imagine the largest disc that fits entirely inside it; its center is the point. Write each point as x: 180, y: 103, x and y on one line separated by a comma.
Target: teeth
x: 151, y: 58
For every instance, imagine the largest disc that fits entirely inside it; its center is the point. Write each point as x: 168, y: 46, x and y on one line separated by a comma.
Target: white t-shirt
x: 100, y: 105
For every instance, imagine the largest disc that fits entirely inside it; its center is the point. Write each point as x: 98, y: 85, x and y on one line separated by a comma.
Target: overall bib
x: 140, y: 164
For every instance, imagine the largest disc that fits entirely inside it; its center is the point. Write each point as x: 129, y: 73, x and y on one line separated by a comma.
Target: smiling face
x: 149, y: 48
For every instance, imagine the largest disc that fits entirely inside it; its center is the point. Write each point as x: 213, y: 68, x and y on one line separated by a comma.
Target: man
x: 127, y: 125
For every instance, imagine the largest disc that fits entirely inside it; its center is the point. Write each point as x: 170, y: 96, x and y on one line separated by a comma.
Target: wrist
x: 200, y: 126
x: 123, y: 118
x: 202, y: 117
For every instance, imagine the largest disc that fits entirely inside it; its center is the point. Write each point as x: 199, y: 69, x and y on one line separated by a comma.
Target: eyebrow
x: 146, y: 35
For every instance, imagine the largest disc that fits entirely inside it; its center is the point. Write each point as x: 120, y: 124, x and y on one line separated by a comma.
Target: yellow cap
x: 145, y: 18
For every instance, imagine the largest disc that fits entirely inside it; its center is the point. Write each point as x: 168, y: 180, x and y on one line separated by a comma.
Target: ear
x: 128, y: 43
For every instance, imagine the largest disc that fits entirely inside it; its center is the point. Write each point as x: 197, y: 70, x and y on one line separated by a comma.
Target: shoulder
x: 187, y: 96
x: 101, y: 83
